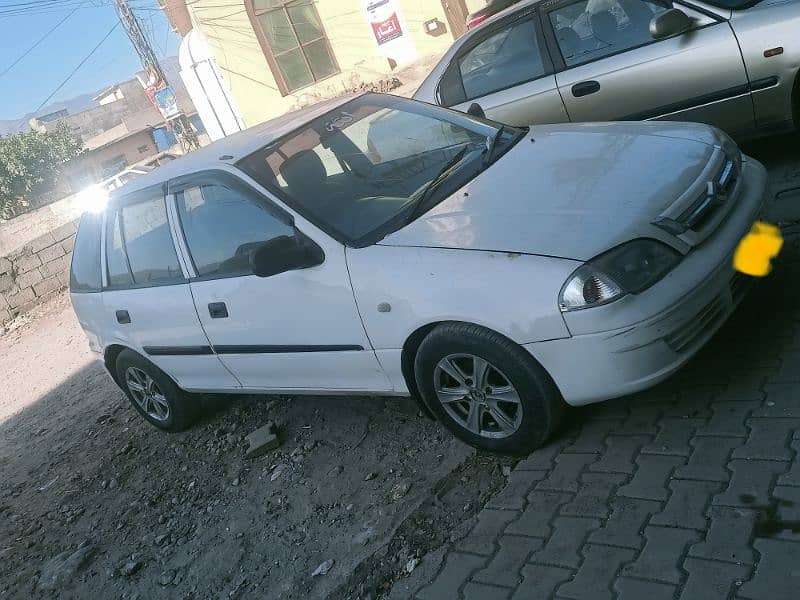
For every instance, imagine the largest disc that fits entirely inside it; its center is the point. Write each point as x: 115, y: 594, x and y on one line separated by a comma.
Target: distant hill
x: 78, y: 103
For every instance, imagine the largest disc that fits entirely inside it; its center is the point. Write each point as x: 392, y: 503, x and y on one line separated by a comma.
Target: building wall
x: 89, y: 168
x: 239, y: 55
x: 36, y: 272
x: 475, y: 5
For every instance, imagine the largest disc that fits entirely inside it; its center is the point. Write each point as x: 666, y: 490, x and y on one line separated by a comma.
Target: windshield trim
x: 397, y: 221
x: 722, y: 5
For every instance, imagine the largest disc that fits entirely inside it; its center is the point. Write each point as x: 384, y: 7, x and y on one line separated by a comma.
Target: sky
x: 35, y: 77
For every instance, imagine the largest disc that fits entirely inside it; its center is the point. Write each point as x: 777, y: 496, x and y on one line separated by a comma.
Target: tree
x: 31, y: 163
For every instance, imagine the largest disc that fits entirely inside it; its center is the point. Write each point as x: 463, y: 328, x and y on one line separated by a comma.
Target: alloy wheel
x: 146, y: 393
x: 478, y: 396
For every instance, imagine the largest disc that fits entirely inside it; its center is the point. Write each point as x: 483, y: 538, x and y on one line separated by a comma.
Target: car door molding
x: 709, y: 98
x: 248, y: 349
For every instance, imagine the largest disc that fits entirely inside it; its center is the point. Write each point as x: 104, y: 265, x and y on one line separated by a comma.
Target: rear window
x: 85, y: 272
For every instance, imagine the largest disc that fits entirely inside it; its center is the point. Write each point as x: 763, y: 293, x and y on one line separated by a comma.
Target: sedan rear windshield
x: 359, y: 171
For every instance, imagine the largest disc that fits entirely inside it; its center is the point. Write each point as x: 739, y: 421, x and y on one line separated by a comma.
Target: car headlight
x: 627, y: 269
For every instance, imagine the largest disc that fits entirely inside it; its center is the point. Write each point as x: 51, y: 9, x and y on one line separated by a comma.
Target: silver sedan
x: 729, y: 63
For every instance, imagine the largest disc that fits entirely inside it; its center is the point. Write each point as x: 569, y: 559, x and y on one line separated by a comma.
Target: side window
x: 85, y: 272
x: 592, y: 29
x: 224, y: 228
x: 139, y: 247
x: 148, y: 242
x: 507, y: 58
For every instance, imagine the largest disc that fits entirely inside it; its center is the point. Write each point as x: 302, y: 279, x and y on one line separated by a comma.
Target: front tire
x: 486, y: 389
x: 153, y: 394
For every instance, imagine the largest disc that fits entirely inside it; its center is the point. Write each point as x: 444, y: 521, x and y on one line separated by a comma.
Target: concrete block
x: 54, y: 267
x: 63, y: 277
x: 27, y: 263
x: 51, y: 253
x: 5, y: 265
x: 28, y: 279
x: 6, y: 282
x: 20, y: 298
x: 46, y: 286
x: 4, y: 315
x: 40, y: 243
x: 262, y: 440
x: 68, y: 244
x: 63, y: 232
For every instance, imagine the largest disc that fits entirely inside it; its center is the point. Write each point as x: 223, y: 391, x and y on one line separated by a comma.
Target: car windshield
x: 362, y: 170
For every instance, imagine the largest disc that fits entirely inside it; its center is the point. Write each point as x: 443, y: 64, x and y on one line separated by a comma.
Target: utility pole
x: 157, y: 86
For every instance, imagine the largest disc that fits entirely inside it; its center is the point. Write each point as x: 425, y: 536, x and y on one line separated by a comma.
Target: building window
x: 294, y: 42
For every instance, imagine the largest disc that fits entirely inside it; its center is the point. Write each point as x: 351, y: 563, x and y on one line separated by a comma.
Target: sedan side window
x: 224, y: 228
x: 593, y: 29
x: 509, y: 57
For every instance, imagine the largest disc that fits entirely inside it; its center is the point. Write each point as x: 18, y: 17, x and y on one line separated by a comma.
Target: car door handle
x: 584, y: 88
x: 123, y: 317
x: 218, y: 310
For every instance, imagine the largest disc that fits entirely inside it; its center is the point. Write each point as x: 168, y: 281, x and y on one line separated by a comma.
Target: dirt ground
x: 94, y: 502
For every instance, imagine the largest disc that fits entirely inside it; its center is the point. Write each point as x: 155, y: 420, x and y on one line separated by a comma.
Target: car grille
x: 714, y: 197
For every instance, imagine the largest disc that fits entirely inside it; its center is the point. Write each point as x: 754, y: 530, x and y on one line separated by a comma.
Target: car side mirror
x: 286, y: 253
x: 670, y: 22
x: 476, y: 110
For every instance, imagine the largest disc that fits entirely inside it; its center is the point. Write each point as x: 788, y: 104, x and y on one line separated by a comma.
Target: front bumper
x: 686, y: 309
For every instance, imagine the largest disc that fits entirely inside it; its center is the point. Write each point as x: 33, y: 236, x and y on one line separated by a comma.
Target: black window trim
x: 529, y: 12
x: 115, y: 206
x: 225, y: 179
x: 555, y: 50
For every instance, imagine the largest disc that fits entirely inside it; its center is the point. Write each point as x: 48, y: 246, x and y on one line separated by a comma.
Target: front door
x: 613, y: 69
x: 298, y: 330
x: 506, y: 69
x: 456, y: 11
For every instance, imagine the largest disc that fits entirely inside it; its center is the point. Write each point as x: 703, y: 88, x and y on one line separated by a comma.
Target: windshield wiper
x: 491, y: 144
x: 422, y: 201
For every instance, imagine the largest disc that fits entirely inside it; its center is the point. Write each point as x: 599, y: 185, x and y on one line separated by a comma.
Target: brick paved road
x: 690, y: 490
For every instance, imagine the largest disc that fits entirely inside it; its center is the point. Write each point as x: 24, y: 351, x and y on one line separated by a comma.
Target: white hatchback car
x: 498, y: 273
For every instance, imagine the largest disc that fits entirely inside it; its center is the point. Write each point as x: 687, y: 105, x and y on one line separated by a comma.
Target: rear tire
x: 153, y: 394
x: 510, y: 405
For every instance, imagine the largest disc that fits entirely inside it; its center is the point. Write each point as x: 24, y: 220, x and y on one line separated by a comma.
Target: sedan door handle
x: 218, y: 310
x: 584, y: 88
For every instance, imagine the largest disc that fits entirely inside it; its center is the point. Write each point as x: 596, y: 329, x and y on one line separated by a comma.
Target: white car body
x: 495, y: 254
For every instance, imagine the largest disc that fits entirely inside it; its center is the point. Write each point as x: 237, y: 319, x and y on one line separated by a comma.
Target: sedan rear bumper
x: 594, y: 367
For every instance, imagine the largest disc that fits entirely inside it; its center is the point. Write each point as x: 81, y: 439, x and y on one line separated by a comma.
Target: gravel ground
x: 94, y: 502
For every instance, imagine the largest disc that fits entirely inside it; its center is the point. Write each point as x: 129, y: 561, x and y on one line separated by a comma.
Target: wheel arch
x: 110, y: 355
x: 414, y: 340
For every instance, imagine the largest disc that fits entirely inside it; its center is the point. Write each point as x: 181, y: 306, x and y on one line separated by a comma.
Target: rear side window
x: 224, y: 228
x: 507, y: 58
x: 85, y: 272
x: 139, y: 247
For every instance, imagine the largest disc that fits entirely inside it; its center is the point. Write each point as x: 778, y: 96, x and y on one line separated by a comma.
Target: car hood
x: 571, y: 191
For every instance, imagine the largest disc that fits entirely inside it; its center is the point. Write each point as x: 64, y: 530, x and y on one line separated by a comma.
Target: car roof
x: 228, y: 150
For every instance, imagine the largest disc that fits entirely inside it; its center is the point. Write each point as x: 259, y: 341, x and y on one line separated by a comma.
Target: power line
x: 80, y: 64
x: 39, y: 41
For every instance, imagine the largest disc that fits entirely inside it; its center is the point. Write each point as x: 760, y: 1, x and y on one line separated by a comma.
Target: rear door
x: 147, y: 302
x: 506, y: 69
x: 611, y: 68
